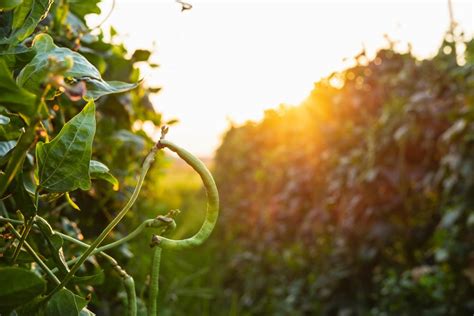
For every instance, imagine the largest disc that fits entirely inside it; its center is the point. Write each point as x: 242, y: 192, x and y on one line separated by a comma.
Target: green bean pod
x: 212, y: 212
x: 129, y: 284
x: 154, y: 282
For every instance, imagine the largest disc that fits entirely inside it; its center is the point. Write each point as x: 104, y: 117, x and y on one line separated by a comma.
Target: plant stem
x: 149, y: 223
x: 27, y: 229
x: 154, y: 282
x: 35, y: 256
x: 146, y: 165
x: 128, y: 281
x: 18, y: 157
x: 24, y: 234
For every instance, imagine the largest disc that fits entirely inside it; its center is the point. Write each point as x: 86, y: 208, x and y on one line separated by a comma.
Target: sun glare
x: 232, y: 60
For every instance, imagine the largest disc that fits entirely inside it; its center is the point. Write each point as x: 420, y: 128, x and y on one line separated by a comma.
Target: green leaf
x: 26, y: 18
x: 13, y: 97
x: 13, y: 127
x: 55, y: 243
x: 36, y: 70
x: 9, y: 4
x: 82, y: 8
x: 21, y: 13
x: 34, y: 307
x: 5, y: 147
x: 94, y: 279
x: 97, y: 88
x: 98, y: 170
x: 24, y: 201
x: 18, y: 287
x: 63, y: 163
x: 64, y: 302
x: 141, y: 55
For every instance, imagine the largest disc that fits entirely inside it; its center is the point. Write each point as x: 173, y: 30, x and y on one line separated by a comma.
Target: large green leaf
x: 9, y: 4
x: 34, y: 72
x: 13, y: 97
x: 64, y: 302
x: 98, y: 170
x: 11, y: 130
x: 26, y: 18
x: 18, y: 286
x: 63, y: 163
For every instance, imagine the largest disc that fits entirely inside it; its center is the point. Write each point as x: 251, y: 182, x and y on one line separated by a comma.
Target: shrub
x: 360, y: 200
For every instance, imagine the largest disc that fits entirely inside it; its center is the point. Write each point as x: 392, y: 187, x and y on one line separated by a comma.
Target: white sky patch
x: 232, y: 59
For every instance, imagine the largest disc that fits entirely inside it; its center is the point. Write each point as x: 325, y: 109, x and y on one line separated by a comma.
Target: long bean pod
x: 212, y: 211
x: 154, y: 282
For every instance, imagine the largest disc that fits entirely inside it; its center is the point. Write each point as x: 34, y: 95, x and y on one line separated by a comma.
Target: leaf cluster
x: 69, y: 100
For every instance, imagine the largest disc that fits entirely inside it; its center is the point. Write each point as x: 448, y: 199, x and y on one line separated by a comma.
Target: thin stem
x: 146, y: 165
x: 35, y: 256
x: 153, y: 223
x: 9, y: 220
x: 83, y: 244
x: 154, y: 282
x: 17, y: 158
x: 135, y: 233
x: 25, y: 233
x: 128, y: 281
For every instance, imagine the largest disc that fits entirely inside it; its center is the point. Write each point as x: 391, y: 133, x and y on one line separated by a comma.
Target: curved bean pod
x: 212, y: 212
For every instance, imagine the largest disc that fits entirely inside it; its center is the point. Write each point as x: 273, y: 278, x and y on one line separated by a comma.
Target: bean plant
x: 53, y: 102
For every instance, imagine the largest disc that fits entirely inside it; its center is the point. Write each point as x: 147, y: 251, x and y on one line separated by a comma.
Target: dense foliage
x: 69, y: 104
x: 360, y: 201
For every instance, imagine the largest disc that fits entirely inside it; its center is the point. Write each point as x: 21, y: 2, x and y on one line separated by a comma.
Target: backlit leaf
x: 9, y: 4
x: 34, y: 72
x: 98, y: 170
x: 63, y: 163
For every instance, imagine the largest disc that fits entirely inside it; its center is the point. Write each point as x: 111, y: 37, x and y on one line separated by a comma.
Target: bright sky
x: 232, y: 59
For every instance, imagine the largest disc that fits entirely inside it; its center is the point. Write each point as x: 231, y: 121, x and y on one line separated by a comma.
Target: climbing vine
x: 62, y: 124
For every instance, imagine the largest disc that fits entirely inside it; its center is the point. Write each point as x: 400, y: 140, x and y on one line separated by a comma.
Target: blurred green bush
x: 360, y: 201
